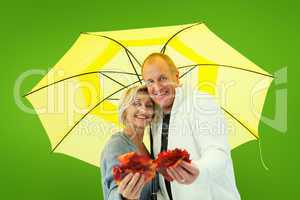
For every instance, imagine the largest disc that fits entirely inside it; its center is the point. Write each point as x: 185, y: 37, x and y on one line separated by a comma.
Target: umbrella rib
x: 129, y: 73
x: 227, y: 66
x: 133, y: 67
x: 78, y: 75
x: 87, y: 73
x: 188, y: 71
x: 89, y: 113
x: 240, y: 123
x: 119, y: 43
x: 114, y: 99
x: 112, y: 79
x: 165, y: 45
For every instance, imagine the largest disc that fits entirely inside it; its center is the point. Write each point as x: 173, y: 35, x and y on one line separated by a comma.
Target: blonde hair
x: 165, y: 57
x: 128, y: 97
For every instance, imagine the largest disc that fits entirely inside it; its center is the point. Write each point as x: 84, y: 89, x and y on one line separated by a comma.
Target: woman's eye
x: 136, y: 103
x: 149, y: 105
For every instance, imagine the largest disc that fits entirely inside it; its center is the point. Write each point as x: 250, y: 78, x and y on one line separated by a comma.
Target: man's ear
x: 177, y: 77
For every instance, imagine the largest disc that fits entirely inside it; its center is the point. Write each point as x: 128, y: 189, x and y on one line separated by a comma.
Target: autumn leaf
x: 170, y: 158
x: 134, y: 163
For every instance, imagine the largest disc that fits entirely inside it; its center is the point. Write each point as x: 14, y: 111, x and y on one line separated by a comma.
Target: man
x: 189, y: 120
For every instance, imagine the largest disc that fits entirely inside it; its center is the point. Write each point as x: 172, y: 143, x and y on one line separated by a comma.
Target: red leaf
x: 170, y: 158
x: 134, y: 163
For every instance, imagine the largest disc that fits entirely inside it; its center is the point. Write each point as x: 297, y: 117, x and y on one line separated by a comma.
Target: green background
x: 36, y: 34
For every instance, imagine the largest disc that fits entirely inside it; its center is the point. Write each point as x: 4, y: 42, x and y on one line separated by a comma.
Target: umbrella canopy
x: 77, y: 100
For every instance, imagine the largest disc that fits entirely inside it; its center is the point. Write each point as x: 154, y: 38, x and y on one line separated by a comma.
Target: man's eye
x: 149, y: 82
x: 163, y: 78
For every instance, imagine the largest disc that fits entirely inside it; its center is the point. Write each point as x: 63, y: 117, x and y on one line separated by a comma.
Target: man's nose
x: 156, y: 86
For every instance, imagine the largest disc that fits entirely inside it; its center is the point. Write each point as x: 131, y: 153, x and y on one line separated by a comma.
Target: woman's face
x: 140, y: 112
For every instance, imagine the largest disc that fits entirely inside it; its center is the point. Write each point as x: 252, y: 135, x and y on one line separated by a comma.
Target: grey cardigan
x: 118, y: 144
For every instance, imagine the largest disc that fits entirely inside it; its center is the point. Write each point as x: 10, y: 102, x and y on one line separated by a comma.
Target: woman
x: 136, y: 111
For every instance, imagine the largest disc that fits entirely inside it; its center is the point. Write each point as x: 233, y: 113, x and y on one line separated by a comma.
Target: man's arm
x: 211, y: 138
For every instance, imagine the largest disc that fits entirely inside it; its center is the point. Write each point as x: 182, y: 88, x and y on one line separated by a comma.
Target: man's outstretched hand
x: 184, y: 172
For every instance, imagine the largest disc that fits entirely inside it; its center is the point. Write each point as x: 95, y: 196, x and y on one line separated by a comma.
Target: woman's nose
x: 143, y: 109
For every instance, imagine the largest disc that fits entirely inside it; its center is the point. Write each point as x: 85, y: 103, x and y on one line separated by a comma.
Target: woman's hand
x: 131, y: 186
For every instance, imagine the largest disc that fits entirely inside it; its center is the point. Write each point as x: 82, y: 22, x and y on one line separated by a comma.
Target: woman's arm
x: 131, y: 186
x: 108, y: 161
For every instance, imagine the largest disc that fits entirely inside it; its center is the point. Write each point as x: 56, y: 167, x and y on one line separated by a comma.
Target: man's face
x: 160, y: 82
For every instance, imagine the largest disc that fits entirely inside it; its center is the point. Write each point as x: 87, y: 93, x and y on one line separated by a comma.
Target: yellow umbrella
x: 77, y: 100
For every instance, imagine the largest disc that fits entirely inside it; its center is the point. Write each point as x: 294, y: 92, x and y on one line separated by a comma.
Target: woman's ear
x: 124, y: 118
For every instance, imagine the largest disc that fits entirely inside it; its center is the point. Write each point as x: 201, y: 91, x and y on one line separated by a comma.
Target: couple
x: 180, y: 117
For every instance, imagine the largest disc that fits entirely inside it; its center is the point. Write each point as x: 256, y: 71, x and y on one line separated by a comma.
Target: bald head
x: 160, y: 57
